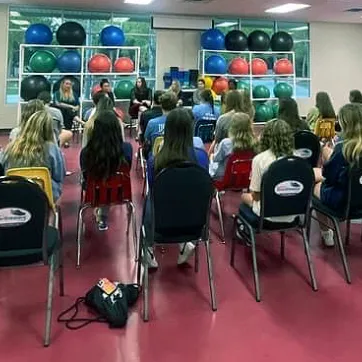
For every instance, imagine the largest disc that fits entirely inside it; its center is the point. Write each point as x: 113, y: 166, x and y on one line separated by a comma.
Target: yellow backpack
x: 324, y: 128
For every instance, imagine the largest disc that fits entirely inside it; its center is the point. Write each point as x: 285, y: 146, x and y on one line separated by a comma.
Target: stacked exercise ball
x: 213, y: 39
x: 263, y: 112
x: 38, y: 34
x: 124, y: 65
x: 112, y: 36
x: 33, y: 85
x: 99, y: 63
x: 69, y: 62
x: 283, y: 66
x: 71, y: 33
x: 123, y: 89
x: 236, y: 40
x: 42, y: 61
x: 220, y: 85
x: 283, y: 90
x: 258, y: 41
x: 215, y: 64
x: 261, y: 92
x: 281, y: 42
x: 259, y: 66
x: 239, y: 66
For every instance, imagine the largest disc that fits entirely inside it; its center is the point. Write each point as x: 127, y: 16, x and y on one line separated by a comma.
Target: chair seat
x: 339, y: 214
x: 31, y: 256
x: 246, y: 213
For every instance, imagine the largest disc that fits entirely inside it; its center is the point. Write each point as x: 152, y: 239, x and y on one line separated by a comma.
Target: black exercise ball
x: 71, y: 33
x: 75, y: 81
x: 258, y: 41
x: 281, y: 42
x: 236, y: 40
x: 33, y: 85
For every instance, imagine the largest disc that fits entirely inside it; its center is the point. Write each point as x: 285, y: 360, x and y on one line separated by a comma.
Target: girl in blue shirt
x: 206, y: 108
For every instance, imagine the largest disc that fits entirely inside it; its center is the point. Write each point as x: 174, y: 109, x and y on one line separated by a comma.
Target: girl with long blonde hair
x: 332, y: 180
x: 176, y: 88
x: 35, y: 147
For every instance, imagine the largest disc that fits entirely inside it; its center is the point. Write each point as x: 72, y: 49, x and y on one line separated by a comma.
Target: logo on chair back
x: 303, y: 153
x: 13, y: 217
x: 288, y: 188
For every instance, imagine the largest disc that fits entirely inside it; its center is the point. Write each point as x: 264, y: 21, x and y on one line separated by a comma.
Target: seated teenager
x: 176, y: 89
x: 232, y: 84
x: 35, y: 147
x: 288, y: 111
x: 104, y: 153
x: 332, y: 180
x: 206, y: 109
x: 241, y: 138
x: 196, y: 97
x: 177, y: 147
x: 276, y: 141
x: 141, y: 98
x: 107, y: 89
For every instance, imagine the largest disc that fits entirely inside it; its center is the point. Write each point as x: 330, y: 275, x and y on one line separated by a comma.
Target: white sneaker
x: 150, y: 258
x: 186, y: 252
x: 328, y: 237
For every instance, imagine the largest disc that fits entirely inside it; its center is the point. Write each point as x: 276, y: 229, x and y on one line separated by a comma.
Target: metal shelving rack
x: 86, y: 52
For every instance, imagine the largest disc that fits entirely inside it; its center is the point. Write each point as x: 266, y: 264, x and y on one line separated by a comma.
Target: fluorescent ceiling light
x: 14, y: 13
x: 120, y: 20
x: 138, y: 2
x: 287, y: 8
x: 299, y: 28
x: 20, y: 22
x: 226, y: 24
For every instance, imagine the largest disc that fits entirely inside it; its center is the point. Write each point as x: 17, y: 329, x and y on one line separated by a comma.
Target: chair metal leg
x: 145, y: 293
x: 309, y: 260
x: 219, y: 209
x: 140, y: 258
x: 48, y: 317
x: 79, y: 234
x: 233, y: 244
x: 348, y: 231
x: 309, y: 225
x: 255, y: 266
x: 142, y: 160
x: 60, y: 252
x: 341, y: 250
x: 211, y: 275
x: 129, y: 217
x: 282, y: 245
x: 197, y: 257
x: 134, y: 224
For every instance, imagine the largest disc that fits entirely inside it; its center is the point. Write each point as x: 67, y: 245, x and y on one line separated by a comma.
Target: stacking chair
x: 25, y: 236
x: 307, y: 146
x: 177, y: 211
x: 116, y: 190
x: 352, y: 211
x: 205, y: 128
x: 286, y: 190
x: 236, y: 178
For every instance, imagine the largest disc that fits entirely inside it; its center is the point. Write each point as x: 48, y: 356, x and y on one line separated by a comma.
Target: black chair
x: 286, y: 190
x: 179, y: 207
x: 307, y: 146
x: 352, y: 211
x: 25, y: 236
x: 205, y: 128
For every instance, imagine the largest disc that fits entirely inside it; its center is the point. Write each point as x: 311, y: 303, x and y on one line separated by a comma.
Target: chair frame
x: 202, y: 123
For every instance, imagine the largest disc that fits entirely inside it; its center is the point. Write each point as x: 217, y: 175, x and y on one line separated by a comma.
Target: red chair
x: 236, y: 178
x: 116, y: 190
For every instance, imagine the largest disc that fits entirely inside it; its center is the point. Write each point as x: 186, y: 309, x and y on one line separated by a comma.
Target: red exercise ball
x: 99, y: 63
x: 259, y: 66
x: 97, y: 88
x: 220, y: 85
x: 124, y: 65
x: 283, y: 66
x: 239, y: 66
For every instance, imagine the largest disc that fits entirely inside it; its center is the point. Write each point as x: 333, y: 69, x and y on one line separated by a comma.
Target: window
x: 137, y: 30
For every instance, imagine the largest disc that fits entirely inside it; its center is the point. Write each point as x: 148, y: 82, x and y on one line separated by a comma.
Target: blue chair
x: 205, y: 128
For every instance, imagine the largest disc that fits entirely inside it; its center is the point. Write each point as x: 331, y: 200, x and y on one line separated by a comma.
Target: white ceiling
x: 320, y: 10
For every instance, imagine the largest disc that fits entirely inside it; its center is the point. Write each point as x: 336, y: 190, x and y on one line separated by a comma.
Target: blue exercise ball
x: 215, y: 64
x: 213, y: 39
x: 112, y: 36
x: 38, y: 34
x: 69, y: 62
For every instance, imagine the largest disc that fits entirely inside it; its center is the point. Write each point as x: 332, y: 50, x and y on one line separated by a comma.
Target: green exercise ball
x: 261, y: 91
x: 42, y: 61
x: 275, y: 109
x: 283, y: 90
x: 243, y: 85
x: 123, y: 89
x: 263, y: 112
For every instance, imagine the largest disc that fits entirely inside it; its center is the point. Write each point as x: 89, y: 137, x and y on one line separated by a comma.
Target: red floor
x: 292, y: 323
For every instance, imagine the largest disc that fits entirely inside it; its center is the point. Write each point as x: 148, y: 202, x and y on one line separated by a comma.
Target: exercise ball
x: 259, y: 66
x: 239, y: 66
x: 42, y: 61
x: 261, y: 91
x: 283, y: 90
x: 38, y: 34
x: 220, y: 85
x: 243, y: 86
x: 97, y: 88
x: 123, y: 89
x: 275, y: 107
x: 71, y: 33
x: 213, y: 39
x: 75, y: 84
x: 215, y: 64
x: 33, y: 85
x: 263, y: 112
x: 236, y: 40
x: 112, y: 36
x: 258, y: 41
x: 69, y: 62
x: 281, y: 42
x: 283, y: 66
x: 99, y: 63
x: 124, y: 65
x: 208, y: 82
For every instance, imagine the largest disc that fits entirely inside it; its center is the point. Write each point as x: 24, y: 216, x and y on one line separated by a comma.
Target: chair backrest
x: 286, y: 188
x: 354, y: 196
x: 205, y: 128
x: 325, y: 128
x: 237, y: 171
x: 307, y: 146
x: 24, y: 211
x: 181, y: 198
x: 40, y: 175
x: 157, y: 145
x: 114, y: 190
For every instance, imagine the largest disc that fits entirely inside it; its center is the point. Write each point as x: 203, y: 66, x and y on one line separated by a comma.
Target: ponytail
x: 206, y: 95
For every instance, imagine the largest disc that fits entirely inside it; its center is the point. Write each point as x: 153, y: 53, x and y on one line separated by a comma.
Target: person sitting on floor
x: 104, y: 153
x: 241, y: 138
